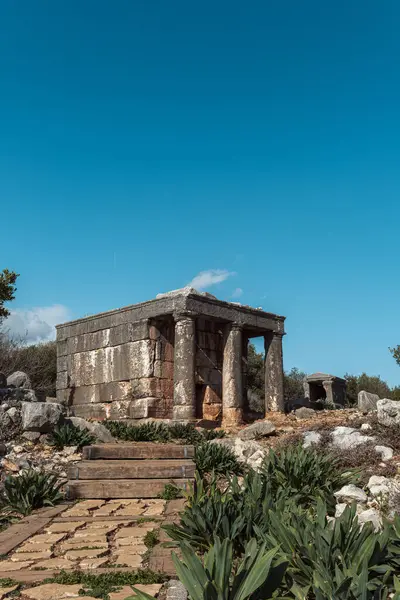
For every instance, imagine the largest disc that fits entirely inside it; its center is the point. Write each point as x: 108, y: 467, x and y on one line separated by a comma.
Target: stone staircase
x: 131, y: 470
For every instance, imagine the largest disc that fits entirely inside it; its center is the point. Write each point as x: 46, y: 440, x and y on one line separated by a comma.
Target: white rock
x: 371, y: 515
x: 351, y: 492
x: 70, y: 450
x: 347, y: 437
x: 388, y: 412
x: 248, y: 452
x: 311, y: 437
x: 18, y: 449
x: 378, y: 484
x: 367, y: 402
x: 339, y: 509
x: 385, y: 452
x: 366, y: 427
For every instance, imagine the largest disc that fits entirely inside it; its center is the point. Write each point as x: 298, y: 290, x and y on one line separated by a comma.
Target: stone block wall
x: 120, y: 372
x: 209, y: 356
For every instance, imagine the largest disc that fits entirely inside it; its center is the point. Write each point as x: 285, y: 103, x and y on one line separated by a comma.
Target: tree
x: 372, y: 384
x: 7, y: 291
x: 293, y: 385
x: 396, y: 354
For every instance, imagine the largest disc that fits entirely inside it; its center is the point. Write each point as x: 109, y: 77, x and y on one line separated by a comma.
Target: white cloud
x: 37, y: 324
x: 208, y: 278
x: 237, y: 293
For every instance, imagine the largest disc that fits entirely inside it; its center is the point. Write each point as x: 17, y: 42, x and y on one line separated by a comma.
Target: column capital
x: 184, y: 316
x: 237, y: 326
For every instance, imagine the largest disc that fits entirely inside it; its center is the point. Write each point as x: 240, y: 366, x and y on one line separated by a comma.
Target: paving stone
x: 161, y: 560
x: 6, y: 590
x: 9, y: 565
x: 67, y: 527
x: 21, y: 556
x: 53, y: 591
x: 130, y: 532
x: 47, y: 538
x: 28, y: 547
x: 55, y: 563
x: 126, y: 591
x: 131, y: 510
x: 82, y: 508
x: 70, y: 545
x: 129, y: 560
x: 79, y: 554
x: 129, y: 541
x: 155, y: 508
x: 93, y: 563
x: 131, y: 548
x: 100, y: 527
x: 89, y: 539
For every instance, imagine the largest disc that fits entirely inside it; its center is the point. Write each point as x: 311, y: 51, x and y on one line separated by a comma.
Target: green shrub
x: 215, y: 458
x: 305, y: 475
x: 70, y: 435
x: 145, y: 432
x: 170, y: 492
x: 338, y: 559
x: 31, y: 489
x: 151, y: 539
x: 256, y: 577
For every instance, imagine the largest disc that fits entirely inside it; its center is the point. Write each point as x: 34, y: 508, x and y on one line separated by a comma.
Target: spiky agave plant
x: 29, y: 490
x: 218, y: 577
x: 70, y: 435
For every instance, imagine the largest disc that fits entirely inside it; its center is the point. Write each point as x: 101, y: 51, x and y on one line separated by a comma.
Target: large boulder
x: 304, y: 413
x: 388, y: 412
x: 100, y: 432
x: 257, y: 430
x: 41, y: 416
x: 247, y: 452
x: 19, y: 379
x: 367, y: 401
x: 310, y: 438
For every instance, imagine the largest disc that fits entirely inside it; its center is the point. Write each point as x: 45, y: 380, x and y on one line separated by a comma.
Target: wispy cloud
x: 36, y: 324
x: 206, y: 279
x: 237, y: 293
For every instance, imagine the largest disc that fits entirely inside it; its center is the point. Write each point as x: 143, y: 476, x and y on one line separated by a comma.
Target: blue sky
x: 145, y: 142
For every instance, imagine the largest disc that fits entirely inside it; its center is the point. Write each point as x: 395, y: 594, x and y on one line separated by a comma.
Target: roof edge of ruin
x: 184, y: 292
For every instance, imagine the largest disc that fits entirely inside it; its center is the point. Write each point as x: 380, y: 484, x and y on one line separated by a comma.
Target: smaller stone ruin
x: 325, y: 389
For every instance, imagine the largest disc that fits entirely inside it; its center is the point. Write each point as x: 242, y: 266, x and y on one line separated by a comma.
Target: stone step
x: 132, y: 469
x: 145, y: 450
x: 122, y: 488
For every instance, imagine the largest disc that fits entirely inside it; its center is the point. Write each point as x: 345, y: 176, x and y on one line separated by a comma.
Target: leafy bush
x: 145, y: 432
x: 170, y: 492
x: 186, y: 432
x: 70, y: 435
x: 214, y: 458
x: 340, y: 559
x: 29, y: 490
x: 257, y: 576
x: 305, y: 475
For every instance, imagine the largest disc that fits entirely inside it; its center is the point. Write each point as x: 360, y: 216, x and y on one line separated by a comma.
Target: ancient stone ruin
x: 181, y: 356
x: 328, y: 388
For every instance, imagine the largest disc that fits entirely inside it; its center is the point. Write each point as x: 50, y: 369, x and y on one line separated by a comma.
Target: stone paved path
x: 92, y: 534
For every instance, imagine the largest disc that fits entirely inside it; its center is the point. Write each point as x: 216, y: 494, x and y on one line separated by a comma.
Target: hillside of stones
x: 366, y: 438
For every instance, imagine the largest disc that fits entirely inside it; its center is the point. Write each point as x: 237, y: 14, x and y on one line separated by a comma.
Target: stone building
x: 182, y: 356
x: 321, y: 386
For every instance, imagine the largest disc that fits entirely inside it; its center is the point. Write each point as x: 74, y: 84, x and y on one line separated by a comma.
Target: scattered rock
x: 388, y: 412
x: 176, y: 590
x: 13, y: 413
x: 31, y: 436
x: 248, y: 452
x: 347, y: 437
x: 19, y: 379
x: 257, y: 430
x: 366, y: 427
x: 41, y: 416
x: 351, y: 492
x: 371, y: 515
x: 385, y: 452
x: 8, y: 465
x: 100, y: 432
x: 378, y: 485
x: 304, y: 413
x: 367, y: 401
x: 311, y: 437
x: 340, y: 508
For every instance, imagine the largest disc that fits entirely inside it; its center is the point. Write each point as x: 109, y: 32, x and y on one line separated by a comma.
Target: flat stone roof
x: 323, y: 377
x: 183, y: 300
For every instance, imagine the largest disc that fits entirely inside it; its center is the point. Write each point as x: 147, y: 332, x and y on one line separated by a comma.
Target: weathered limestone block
x: 212, y: 412
x: 100, y: 432
x: 62, y: 348
x: 211, y: 396
x: 388, y: 412
x: 88, y: 341
x: 62, y: 380
x: 129, y: 332
x: 62, y: 363
x: 103, y: 392
x: 19, y: 379
x: 367, y: 401
x: 41, y: 416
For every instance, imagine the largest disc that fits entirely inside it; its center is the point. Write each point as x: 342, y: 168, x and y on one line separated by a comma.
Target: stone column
x: 327, y: 385
x: 274, y: 400
x: 184, y: 368
x: 232, y: 376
